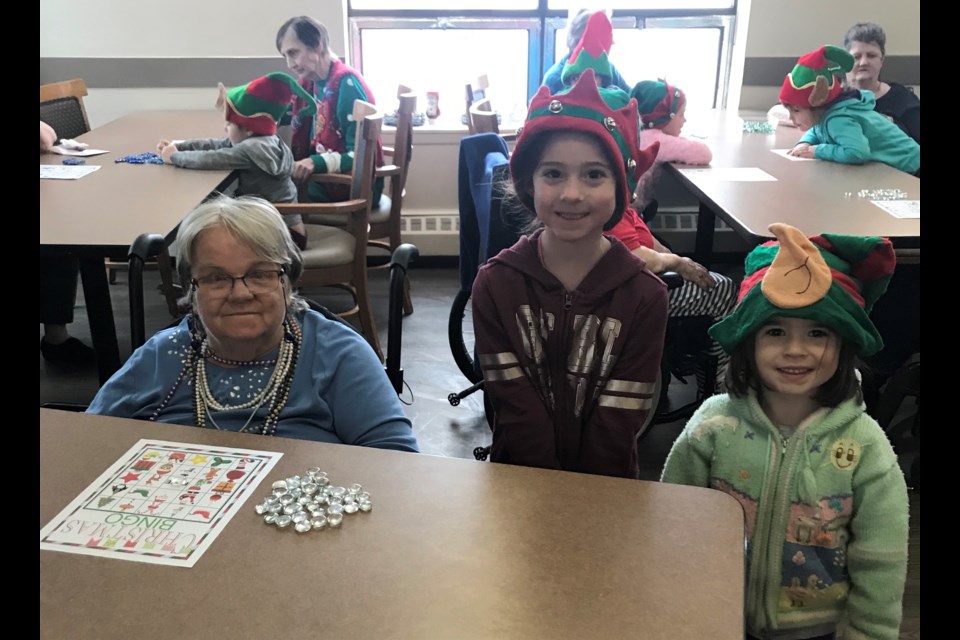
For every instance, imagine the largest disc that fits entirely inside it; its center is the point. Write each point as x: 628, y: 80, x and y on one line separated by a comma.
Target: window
x: 441, y: 45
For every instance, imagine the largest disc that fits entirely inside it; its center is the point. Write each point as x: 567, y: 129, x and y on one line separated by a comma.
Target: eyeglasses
x: 257, y: 281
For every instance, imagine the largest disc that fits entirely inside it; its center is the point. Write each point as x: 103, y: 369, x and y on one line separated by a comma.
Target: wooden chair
x: 484, y: 119
x: 385, y: 217
x: 475, y: 91
x: 61, y: 107
x: 337, y: 256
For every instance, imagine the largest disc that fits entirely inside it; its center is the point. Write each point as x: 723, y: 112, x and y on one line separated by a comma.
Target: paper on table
x: 731, y: 174
x: 900, y: 208
x: 783, y: 153
x: 73, y: 152
x: 160, y: 502
x: 65, y: 172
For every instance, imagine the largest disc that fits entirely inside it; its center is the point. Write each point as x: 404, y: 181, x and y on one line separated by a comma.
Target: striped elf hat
x: 260, y: 104
x: 815, y: 80
x: 592, y: 52
x: 834, y: 279
x: 609, y: 114
x: 657, y: 101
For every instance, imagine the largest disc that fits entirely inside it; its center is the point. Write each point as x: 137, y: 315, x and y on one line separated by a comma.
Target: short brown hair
x: 309, y: 32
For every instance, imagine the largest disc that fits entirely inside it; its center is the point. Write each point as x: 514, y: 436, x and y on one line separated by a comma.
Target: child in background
x: 263, y: 161
x: 663, y: 110
x: 841, y: 125
x: 704, y: 293
x: 569, y: 325
x: 824, y: 497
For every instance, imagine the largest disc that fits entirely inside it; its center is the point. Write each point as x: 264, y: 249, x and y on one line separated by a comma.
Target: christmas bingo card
x: 161, y: 502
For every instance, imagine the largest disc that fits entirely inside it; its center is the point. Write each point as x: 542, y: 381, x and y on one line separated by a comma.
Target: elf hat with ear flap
x: 833, y: 279
x: 259, y: 105
x: 609, y: 115
x: 592, y: 52
x: 815, y: 81
x: 657, y: 101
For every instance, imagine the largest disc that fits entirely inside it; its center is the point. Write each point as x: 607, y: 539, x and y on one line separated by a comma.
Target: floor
x: 430, y: 374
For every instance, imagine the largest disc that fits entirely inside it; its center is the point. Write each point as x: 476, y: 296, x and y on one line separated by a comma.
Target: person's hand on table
x: 803, y: 150
x: 163, y: 143
x: 696, y: 273
x: 167, y: 153
x: 302, y: 170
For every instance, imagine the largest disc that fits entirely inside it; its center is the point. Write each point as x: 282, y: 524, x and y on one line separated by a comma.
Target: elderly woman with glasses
x: 250, y: 356
x: 867, y: 43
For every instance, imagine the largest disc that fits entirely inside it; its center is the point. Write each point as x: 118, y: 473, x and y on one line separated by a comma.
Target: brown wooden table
x: 814, y: 196
x: 101, y: 214
x: 452, y: 549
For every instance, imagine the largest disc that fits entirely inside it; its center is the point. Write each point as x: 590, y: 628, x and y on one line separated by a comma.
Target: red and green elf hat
x: 609, y: 114
x: 658, y: 102
x: 592, y: 52
x: 814, y: 81
x: 834, y: 279
x: 259, y: 105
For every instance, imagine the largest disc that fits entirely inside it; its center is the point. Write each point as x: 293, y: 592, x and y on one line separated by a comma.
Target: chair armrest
x: 387, y: 170
x: 388, y: 151
x: 314, y: 208
x: 672, y: 279
x: 332, y: 178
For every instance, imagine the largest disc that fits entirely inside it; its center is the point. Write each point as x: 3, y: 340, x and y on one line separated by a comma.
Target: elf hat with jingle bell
x: 833, y: 279
x: 608, y: 114
x: 260, y: 104
x: 657, y: 101
x: 815, y: 80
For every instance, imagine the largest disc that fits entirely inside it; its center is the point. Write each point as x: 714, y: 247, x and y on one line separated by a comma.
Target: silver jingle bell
x: 555, y: 106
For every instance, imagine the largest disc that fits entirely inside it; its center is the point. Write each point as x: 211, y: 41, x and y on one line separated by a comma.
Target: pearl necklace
x: 276, y: 391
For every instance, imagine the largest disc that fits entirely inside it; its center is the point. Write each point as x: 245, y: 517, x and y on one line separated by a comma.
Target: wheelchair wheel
x: 460, y: 334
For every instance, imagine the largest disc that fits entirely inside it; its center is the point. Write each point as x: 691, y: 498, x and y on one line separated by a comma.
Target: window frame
x: 542, y: 24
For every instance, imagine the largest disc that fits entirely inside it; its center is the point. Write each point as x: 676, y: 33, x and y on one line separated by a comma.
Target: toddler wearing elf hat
x: 252, y: 148
x: 842, y: 125
x: 824, y: 497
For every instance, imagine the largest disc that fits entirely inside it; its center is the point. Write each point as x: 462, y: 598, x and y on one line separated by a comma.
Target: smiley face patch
x: 845, y: 454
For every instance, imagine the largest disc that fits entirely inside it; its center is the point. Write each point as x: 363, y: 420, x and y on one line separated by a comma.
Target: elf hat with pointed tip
x: 815, y: 80
x: 260, y: 104
x: 608, y: 114
x: 592, y: 52
x: 834, y: 279
x: 657, y: 101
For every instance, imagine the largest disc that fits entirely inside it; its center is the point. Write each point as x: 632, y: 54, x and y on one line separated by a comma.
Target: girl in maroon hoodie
x: 569, y: 324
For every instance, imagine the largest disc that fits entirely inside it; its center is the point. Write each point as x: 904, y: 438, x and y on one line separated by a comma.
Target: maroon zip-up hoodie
x: 571, y: 374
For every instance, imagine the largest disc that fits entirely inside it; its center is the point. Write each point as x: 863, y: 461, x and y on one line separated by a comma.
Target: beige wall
x: 177, y: 28
x: 783, y: 28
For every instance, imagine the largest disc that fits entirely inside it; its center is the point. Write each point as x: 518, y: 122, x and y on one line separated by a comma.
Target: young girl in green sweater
x: 824, y: 498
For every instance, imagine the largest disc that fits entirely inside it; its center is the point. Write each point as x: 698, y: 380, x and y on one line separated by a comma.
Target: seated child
x: 662, y: 109
x: 841, y: 125
x: 263, y: 161
x: 569, y: 325
x: 824, y: 498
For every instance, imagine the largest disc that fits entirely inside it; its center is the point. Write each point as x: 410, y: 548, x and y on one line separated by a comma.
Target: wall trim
x: 142, y: 73
x: 769, y: 70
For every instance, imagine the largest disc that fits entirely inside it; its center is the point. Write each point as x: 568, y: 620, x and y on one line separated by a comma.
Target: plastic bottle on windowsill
x: 433, y: 105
